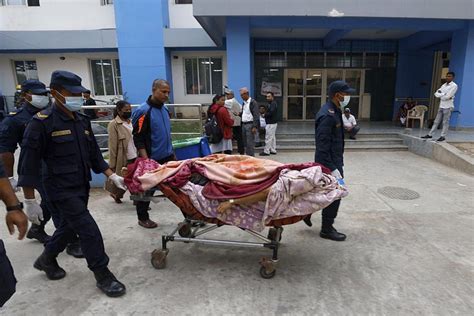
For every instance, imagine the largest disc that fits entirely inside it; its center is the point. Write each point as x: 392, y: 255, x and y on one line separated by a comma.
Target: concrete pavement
x: 402, y: 257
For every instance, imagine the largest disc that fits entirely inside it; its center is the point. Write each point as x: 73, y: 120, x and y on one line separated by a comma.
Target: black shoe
x: 352, y: 137
x: 108, y: 283
x: 427, y: 137
x: 75, y: 250
x: 264, y: 154
x: 50, y: 266
x: 441, y: 139
x: 273, y: 153
x: 37, y: 232
x: 307, y: 221
x: 332, y: 234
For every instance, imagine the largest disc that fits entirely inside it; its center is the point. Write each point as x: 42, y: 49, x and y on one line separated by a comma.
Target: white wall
x: 181, y: 15
x: 179, y: 84
x: 46, y: 64
x: 58, y: 15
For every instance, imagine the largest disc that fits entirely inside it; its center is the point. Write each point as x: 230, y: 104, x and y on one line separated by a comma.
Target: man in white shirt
x: 446, y: 106
x: 350, y: 123
x: 250, y: 121
x: 235, y: 110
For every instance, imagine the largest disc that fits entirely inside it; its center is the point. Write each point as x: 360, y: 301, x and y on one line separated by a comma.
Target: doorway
x: 306, y: 90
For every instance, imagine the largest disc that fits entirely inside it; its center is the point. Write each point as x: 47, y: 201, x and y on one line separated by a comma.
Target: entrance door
x: 306, y: 90
x: 304, y: 93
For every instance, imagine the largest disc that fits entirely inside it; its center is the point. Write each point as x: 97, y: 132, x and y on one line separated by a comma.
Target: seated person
x: 350, y: 123
x: 404, y: 108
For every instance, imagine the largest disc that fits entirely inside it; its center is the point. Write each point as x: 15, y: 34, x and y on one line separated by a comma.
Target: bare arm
x: 246, y: 200
x: 13, y: 218
x: 8, y: 162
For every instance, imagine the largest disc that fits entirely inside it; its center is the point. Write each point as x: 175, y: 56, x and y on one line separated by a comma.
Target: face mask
x: 126, y: 115
x: 345, y: 102
x: 73, y: 104
x: 39, y: 101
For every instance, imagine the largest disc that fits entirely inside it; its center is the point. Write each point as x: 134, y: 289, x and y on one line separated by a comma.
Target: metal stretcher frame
x: 192, y: 227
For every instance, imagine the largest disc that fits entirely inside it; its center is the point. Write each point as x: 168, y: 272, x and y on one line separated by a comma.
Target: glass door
x: 295, y: 94
x: 313, y: 93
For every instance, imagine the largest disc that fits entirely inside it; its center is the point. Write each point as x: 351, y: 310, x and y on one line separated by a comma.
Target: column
x: 142, y: 55
x: 239, y: 54
x: 462, y: 64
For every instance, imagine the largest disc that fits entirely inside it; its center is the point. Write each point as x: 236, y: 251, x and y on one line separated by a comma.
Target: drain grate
x: 398, y: 193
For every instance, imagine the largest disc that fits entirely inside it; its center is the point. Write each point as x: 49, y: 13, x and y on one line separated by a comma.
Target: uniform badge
x: 87, y: 132
x: 61, y: 133
x: 12, y: 113
x: 331, y: 111
x: 40, y: 115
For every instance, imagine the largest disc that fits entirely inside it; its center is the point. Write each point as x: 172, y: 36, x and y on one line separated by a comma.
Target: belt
x: 251, y: 122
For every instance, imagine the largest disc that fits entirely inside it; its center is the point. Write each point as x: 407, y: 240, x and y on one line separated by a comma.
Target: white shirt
x: 131, y: 149
x: 446, y: 94
x: 263, y: 123
x: 349, y: 122
x: 246, y: 114
x: 234, y: 108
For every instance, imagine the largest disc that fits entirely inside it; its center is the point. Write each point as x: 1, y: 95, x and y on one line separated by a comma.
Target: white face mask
x: 39, y: 101
x: 345, y: 102
x: 73, y: 104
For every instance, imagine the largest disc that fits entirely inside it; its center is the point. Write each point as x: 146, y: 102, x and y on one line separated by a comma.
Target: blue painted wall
x: 414, y: 74
x: 239, y: 54
x: 140, y: 45
x: 462, y: 63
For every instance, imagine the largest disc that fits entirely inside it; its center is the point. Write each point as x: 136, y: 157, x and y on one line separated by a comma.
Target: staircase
x: 364, y: 142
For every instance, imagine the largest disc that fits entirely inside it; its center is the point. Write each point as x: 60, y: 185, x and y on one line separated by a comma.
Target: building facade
x: 387, y: 50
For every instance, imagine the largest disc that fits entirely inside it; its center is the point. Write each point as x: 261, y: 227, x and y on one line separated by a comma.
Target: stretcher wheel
x: 265, y: 274
x: 158, y: 258
x: 272, y: 232
x: 185, y: 231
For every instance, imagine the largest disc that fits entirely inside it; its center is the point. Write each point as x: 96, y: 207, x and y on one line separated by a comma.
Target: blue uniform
x: 329, y: 134
x: 12, y: 129
x: 69, y: 150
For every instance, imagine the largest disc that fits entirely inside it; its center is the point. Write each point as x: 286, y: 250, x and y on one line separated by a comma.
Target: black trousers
x: 7, y: 277
x: 237, y: 135
x: 330, y: 213
x: 142, y: 206
x: 76, y: 220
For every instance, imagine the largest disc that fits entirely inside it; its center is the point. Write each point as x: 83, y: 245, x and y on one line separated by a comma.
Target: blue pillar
x: 142, y: 55
x: 414, y: 74
x: 239, y: 54
x: 462, y: 63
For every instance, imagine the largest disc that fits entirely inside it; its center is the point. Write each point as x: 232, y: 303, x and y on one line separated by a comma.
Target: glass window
x: 33, y: 3
x: 203, y: 75
x: 353, y: 79
x: 24, y: 70
x: 313, y: 105
x: 183, y: 1
x: 315, y: 60
x: 295, y: 108
x: 314, y: 82
x: 295, y: 60
x: 357, y: 60
x: 107, y: 2
x: 371, y: 59
x: 388, y: 60
x: 14, y: 2
x: 295, y: 82
x: 106, y: 77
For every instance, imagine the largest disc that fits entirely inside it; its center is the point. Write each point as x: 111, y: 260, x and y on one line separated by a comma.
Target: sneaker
x: 441, y: 139
x: 427, y: 137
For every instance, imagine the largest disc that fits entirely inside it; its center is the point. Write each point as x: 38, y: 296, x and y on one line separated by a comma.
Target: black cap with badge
x: 69, y: 81
x: 339, y: 86
x: 34, y: 86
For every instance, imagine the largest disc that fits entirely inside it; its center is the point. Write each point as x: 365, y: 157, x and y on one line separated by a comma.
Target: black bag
x: 213, y: 132
x: 7, y: 278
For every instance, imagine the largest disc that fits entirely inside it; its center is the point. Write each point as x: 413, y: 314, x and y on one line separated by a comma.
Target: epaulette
x: 13, y: 113
x: 42, y: 115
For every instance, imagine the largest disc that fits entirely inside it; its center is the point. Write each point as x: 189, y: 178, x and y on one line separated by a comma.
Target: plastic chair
x: 417, y: 113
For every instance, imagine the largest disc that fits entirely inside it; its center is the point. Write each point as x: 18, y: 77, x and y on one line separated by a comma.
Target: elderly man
x: 235, y: 110
x: 250, y: 121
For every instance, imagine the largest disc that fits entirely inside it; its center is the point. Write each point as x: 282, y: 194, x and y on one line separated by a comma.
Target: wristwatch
x: 18, y: 207
x: 231, y: 201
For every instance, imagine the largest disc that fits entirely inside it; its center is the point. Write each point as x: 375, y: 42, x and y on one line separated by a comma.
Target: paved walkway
x: 402, y: 257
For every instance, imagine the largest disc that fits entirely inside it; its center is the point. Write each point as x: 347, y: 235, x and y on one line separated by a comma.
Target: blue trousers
x: 7, y: 278
x: 75, y: 219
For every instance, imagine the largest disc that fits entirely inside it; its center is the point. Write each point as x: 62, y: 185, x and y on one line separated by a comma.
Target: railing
x: 177, y: 129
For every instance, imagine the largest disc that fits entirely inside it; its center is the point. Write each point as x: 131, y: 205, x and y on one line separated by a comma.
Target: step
x: 360, y: 135
x: 359, y: 141
x: 358, y: 148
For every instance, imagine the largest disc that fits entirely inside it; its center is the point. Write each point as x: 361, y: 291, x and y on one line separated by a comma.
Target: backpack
x: 213, y: 131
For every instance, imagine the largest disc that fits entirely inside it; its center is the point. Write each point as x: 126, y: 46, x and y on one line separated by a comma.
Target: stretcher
x: 193, y: 227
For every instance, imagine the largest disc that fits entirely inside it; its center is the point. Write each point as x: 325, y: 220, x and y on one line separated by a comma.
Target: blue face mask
x: 73, y: 104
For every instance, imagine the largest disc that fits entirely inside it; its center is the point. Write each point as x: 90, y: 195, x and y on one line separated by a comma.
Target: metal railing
x: 197, y: 117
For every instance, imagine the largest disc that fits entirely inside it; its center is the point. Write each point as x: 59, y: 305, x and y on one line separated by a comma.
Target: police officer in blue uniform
x: 62, y: 137
x: 329, y: 134
x: 35, y: 98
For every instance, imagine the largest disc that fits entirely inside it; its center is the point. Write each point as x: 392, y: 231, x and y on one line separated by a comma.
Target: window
x: 106, y: 77
x: 31, y: 3
x: 24, y: 70
x: 203, y: 75
x: 107, y: 2
x: 183, y: 1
